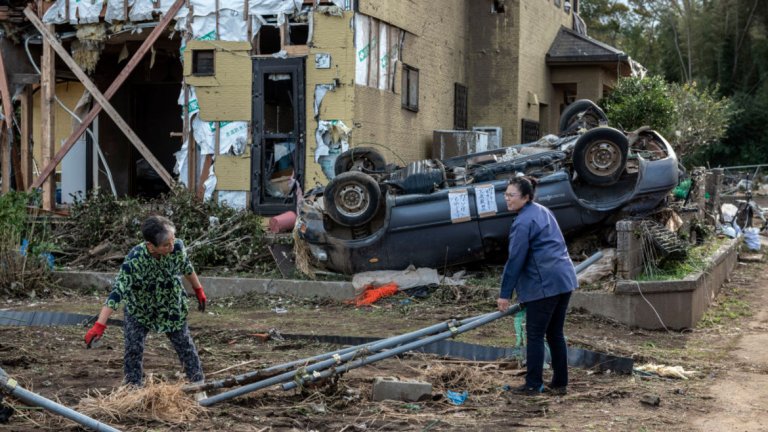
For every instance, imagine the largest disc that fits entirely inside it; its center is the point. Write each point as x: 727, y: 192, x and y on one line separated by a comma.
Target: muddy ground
x: 727, y: 351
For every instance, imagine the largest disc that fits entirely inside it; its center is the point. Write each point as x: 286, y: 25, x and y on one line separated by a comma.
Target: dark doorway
x: 156, y: 115
x: 277, y: 164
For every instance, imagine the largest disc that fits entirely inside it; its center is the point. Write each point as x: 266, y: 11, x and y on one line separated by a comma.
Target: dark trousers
x: 546, y: 317
x: 133, y: 361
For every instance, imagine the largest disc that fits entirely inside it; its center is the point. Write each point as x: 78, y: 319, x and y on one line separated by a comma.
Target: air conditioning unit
x: 449, y: 143
x: 494, y: 135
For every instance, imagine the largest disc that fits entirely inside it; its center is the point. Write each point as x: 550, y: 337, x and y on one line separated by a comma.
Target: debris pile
x: 100, y: 230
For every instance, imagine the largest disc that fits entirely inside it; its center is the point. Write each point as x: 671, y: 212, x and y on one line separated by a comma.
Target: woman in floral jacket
x: 149, y: 285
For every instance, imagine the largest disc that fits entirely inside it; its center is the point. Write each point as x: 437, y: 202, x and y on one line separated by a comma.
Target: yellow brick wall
x: 540, y: 22
x: 332, y: 35
x: 405, y: 14
x: 508, y: 61
x: 226, y: 96
x: 439, y: 52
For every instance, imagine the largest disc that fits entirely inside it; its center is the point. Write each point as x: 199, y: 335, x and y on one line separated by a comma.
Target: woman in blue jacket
x: 540, y: 270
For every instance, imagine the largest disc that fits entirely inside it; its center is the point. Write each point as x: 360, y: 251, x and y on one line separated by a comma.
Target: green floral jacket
x: 151, y: 288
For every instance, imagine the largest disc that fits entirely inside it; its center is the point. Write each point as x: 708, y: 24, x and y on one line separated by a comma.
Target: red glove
x: 201, y: 299
x: 94, y: 334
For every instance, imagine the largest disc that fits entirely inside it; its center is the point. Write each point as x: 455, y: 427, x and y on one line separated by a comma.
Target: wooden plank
x: 16, y: 165
x: 122, y: 76
x: 101, y: 99
x: 204, y: 176
x: 47, y: 123
x: 5, y: 160
x: 6, y: 95
x: 25, y: 140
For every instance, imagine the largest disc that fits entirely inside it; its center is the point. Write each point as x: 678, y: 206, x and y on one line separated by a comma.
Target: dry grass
x: 156, y: 401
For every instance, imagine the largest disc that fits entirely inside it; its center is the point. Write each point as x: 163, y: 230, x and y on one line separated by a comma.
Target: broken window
x: 203, y: 63
x: 268, y: 39
x: 530, y: 131
x: 298, y: 33
x: 459, y: 106
x: 410, y: 96
x: 377, y: 52
x: 498, y: 6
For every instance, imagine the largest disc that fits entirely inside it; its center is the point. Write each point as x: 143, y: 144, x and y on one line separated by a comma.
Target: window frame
x: 410, y: 76
x: 195, y: 62
x: 460, y: 106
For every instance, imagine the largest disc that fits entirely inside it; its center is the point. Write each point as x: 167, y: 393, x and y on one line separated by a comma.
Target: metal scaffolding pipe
x: 403, y: 348
x: 11, y: 387
x: 339, y: 358
x: 254, y: 376
x: 478, y: 321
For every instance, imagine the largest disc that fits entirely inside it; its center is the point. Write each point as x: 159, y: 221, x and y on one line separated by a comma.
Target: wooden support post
x: 218, y: 33
x: 204, y: 176
x: 48, y: 122
x: 102, y: 100
x: 5, y: 160
x: 25, y: 140
x: 129, y: 67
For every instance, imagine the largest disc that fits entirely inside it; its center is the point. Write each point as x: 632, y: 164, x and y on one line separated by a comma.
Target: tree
x: 637, y: 102
x: 702, y: 119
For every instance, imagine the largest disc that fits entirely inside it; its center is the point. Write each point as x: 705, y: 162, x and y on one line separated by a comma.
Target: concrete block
x: 392, y: 388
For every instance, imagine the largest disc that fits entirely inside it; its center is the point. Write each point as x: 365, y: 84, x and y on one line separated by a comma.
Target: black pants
x: 546, y: 317
x: 133, y: 361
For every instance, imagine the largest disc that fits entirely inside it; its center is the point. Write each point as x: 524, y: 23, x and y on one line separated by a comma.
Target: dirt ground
x: 728, y: 351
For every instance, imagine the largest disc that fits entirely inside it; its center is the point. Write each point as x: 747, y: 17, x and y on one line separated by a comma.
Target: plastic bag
x: 752, y: 238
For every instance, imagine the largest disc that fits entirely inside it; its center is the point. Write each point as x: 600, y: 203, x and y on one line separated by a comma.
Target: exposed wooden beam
x: 204, y: 176
x: 6, y: 95
x: 5, y: 160
x: 100, y: 98
x: 129, y: 67
x: 25, y: 141
x: 47, y: 124
x: 16, y: 165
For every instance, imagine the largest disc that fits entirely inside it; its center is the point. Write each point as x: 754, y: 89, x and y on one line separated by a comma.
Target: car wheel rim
x: 353, y: 200
x: 603, y: 158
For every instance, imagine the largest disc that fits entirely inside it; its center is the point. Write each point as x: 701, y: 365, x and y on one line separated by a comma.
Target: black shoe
x: 528, y: 391
x: 557, y: 391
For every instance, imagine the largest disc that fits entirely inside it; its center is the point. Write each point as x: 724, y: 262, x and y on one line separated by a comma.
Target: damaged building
x: 249, y: 102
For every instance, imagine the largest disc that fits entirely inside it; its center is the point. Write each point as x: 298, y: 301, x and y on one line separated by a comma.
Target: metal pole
x: 478, y: 321
x: 11, y: 387
x: 337, y: 358
x: 403, y: 348
x: 254, y: 376
x: 588, y: 262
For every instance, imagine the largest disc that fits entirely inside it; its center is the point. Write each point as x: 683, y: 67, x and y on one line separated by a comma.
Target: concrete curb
x: 226, y: 286
x: 680, y: 304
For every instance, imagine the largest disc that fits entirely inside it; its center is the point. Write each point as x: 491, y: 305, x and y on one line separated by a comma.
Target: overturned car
x: 438, y: 213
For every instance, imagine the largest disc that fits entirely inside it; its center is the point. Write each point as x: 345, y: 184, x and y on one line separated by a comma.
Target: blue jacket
x: 538, y: 265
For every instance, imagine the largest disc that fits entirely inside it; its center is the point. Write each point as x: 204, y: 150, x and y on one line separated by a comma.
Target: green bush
x: 637, y: 102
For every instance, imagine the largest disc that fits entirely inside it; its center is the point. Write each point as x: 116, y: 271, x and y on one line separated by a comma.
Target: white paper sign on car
x: 459, y: 201
x: 485, y: 198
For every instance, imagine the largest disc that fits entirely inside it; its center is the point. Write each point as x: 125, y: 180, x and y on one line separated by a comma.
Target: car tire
x: 581, y: 113
x: 352, y: 198
x: 600, y: 156
x: 360, y: 159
